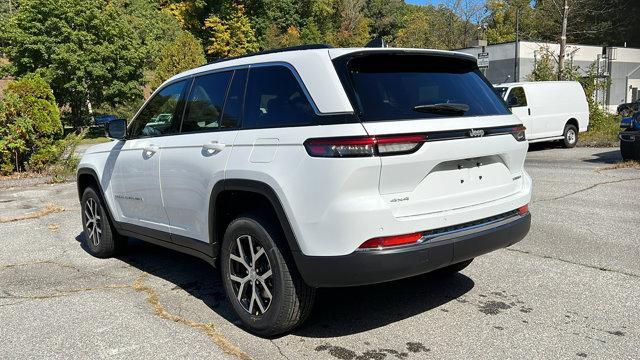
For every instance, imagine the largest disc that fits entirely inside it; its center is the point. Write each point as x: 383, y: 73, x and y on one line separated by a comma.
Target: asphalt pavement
x: 570, y: 289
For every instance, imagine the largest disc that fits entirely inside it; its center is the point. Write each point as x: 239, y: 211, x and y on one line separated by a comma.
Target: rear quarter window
x: 274, y: 98
x: 389, y: 86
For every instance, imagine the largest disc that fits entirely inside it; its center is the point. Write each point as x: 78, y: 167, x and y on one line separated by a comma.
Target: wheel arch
x: 86, y: 177
x: 222, y: 208
x: 574, y: 122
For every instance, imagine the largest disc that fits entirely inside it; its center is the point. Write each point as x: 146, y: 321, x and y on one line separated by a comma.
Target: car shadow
x: 607, y: 157
x: 346, y: 311
x: 337, y: 311
x: 545, y: 146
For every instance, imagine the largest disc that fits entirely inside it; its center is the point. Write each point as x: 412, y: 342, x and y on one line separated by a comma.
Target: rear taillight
x: 523, y: 210
x: 388, y: 241
x: 364, y: 145
x: 518, y: 133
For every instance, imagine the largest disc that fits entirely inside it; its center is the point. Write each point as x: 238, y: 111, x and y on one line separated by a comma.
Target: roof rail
x: 285, y: 49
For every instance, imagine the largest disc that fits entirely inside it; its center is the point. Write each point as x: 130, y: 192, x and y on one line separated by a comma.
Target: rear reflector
x: 364, y: 146
x: 388, y: 241
x: 522, y: 210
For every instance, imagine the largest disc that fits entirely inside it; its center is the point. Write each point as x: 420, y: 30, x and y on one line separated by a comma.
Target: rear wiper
x: 443, y: 108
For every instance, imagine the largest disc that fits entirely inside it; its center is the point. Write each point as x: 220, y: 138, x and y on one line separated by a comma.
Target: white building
x: 620, y: 65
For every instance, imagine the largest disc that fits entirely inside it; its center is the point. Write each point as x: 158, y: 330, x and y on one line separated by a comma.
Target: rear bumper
x: 375, y: 266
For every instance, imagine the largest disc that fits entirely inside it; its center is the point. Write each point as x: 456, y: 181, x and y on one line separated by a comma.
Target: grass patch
x: 48, y: 209
x: 629, y: 164
x: 93, y: 141
x: 603, y: 130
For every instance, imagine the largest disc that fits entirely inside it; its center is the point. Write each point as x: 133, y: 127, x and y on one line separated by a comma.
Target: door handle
x: 151, y: 149
x: 529, y: 110
x: 214, y: 146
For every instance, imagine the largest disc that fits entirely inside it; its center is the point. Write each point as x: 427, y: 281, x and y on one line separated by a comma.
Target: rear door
x: 471, y: 155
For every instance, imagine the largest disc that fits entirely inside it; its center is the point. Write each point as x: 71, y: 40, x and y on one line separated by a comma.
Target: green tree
x: 29, y: 122
x: 184, y: 53
x: 85, y: 49
x: 385, y: 17
x: 501, y: 21
x: 430, y: 27
x: 593, y: 22
x: 155, y: 29
x: 353, y: 26
x: 231, y: 35
x: 419, y: 30
x: 544, y: 68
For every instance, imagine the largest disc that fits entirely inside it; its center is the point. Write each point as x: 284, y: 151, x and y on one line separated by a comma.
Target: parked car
x: 630, y: 137
x: 628, y: 109
x: 104, y: 119
x: 313, y: 167
x: 550, y: 110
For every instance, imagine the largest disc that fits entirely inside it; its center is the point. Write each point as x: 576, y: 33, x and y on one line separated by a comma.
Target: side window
x: 516, y: 97
x: 161, y: 115
x: 205, y: 102
x: 233, y: 105
x: 274, y: 98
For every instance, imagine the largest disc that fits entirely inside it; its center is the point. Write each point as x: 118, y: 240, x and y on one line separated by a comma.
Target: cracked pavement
x: 568, y: 290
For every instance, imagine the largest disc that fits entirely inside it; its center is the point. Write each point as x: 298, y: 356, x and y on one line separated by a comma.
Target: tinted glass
x: 233, y: 104
x: 159, y: 115
x: 501, y: 91
x: 389, y: 86
x: 205, y: 102
x: 274, y: 98
x: 517, y: 97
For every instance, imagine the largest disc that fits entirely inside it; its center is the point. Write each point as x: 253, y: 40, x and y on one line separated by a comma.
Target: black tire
x: 630, y: 150
x: 570, y: 136
x: 103, y: 240
x: 454, y: 268
x: 291, y: 299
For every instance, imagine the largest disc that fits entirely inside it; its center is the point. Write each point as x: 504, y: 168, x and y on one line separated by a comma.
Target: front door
x: 193, y: 162
x: 135, y: 181
x: 517, y: 101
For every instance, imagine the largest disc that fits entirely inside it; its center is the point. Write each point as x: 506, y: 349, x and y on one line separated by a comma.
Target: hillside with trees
x: 104, y: 56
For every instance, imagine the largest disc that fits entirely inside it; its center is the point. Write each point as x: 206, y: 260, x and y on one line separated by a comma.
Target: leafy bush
x: 66, y: 161
x: 603, y: 128
x: 29, y: 123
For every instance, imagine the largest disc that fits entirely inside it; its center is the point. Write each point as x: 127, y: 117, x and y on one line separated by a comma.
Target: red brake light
x: 518, y: 133
x: 364, y: 145
x: 522, y: 210
x: 387, y: 241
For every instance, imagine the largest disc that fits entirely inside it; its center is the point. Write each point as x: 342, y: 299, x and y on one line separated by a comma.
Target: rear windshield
x: 400, y: 86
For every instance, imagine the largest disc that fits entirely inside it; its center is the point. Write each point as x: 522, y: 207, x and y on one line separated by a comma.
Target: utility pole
x: 563, y: 40
x: 516, y: 64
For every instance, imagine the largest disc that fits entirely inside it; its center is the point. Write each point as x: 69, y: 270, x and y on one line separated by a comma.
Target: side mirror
x: 117, y: 129
x: 513, y: 101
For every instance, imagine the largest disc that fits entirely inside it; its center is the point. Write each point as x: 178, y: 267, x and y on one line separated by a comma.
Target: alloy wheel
x: 251, y: 275
x: 92, y: 221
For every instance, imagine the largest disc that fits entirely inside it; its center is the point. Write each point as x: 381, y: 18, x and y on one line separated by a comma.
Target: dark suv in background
x: 630, y: 137
x: 627, y: 109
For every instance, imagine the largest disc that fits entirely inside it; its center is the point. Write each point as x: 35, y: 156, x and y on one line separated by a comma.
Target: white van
x: 550, y: 110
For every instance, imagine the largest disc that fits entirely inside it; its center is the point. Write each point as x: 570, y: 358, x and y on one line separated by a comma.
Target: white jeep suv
x: 313, y: 167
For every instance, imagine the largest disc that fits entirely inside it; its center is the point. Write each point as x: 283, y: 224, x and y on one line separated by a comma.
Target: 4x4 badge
x: 476, y: 133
